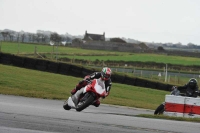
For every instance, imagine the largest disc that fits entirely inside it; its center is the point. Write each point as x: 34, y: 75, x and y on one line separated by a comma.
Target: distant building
x: 94, y: 37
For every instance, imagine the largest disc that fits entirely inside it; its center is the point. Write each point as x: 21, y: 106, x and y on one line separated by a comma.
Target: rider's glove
x: 88, y: 80
x: 174, y: 88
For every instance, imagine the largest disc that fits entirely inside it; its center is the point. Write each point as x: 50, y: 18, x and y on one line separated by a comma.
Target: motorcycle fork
x: 87, y: 95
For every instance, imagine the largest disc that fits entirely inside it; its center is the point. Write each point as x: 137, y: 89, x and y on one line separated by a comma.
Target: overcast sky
x: 144, y: 20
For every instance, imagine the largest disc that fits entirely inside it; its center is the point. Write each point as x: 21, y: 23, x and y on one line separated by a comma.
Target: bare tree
x: 18, y: 36
x: 39, y: 36
x: 30, y: 37
x: 45, y: 37
x: 22, y: 37
x: 11, y: 35
x: 34, y: 37
x: 4, y: 34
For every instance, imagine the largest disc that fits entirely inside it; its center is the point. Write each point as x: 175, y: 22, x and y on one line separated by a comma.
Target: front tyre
x: 159, y: 110
x: 66, y: 106
x: 86, y: 102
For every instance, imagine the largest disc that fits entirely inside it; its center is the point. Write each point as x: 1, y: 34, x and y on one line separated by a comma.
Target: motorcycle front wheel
x: 85, y: 102
x: 159, y: 110
x: 66, y: 106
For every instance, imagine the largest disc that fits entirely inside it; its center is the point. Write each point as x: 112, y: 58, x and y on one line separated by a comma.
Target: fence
x: 156, y: 75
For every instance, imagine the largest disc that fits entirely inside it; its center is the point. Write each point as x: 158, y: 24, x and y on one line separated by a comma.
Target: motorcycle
x: 161, y: 108
x: 86, y: 96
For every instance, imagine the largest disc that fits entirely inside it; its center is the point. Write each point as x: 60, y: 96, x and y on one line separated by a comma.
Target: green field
x: 13, y: 47
x: 91, y: 55
x: 32, y: 83
x: 144, y: 58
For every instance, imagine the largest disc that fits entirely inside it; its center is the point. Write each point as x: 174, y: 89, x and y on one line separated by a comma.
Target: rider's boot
x: 96, y: 103
x: 76, y: 96
x: 74, y: 90
x: 79, y: 86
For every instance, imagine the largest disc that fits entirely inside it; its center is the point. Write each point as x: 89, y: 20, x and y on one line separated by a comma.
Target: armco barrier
x: 180, y: 106
x: 72, y: 70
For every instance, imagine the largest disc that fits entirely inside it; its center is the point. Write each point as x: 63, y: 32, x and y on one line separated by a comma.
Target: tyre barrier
x: 73, y: 70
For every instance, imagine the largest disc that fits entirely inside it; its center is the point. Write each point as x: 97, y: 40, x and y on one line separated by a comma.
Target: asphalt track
x: 32, y: 115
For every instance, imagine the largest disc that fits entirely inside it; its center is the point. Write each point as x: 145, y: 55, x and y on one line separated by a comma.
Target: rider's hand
x: 107, y: 93
x: 88, y: 80
x: 87, y: 77
x: 174, y: 88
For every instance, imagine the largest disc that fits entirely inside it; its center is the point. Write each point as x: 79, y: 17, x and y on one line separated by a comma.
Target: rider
x: 191, y: 88
x: 105, y: 75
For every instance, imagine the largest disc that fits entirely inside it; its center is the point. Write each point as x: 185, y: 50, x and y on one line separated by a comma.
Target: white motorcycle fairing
x: 99, y: 87
x: 71, y: 103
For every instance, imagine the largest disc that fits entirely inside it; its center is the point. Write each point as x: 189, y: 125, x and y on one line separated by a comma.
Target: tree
x: 30, y: 37
x: 160, y: 48
x: 191, y: 45
x: 38, y: 36
x: 55, y: 37
x: 22, y: 37
x: 4, y: 34
x: 117, y: 40
x: 18, y: 36
x: 11, y: 35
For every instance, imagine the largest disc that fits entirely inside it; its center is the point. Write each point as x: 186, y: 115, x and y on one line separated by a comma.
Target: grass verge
x: 32, y: 83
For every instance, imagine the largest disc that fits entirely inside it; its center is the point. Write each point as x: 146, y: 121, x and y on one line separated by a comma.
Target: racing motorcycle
x: 86, y: 96
x: 161, y: 108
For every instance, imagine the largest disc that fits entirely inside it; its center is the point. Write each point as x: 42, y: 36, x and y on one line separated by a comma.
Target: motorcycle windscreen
x: 98, y: 86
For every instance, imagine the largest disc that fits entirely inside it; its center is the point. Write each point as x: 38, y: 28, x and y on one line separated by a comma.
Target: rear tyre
x: 159, y: 110
x: 66, y: 106
x: 85, y: 103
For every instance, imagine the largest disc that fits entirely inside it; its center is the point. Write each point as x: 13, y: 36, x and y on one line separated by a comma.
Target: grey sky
x: 144, y: 20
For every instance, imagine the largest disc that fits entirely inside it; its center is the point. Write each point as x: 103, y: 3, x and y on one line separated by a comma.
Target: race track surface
x: 32, y: 115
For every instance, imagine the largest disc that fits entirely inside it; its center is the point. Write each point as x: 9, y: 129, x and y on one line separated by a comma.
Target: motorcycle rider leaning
x: 105, y: 75
x: 191, y: 88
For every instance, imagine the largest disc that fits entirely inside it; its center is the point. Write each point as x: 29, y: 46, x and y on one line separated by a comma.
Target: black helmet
x: 192, y: 83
